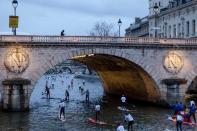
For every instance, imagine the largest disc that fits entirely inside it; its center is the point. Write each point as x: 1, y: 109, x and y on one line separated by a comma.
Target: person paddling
x: 62, y: 109
x: 67, y: 95
x: 123, y: 101
x: 120, y: 127
x: 97, y: 109
x: 87, y: 95
x: 129, y: 119
x: 175, y: 107
x: 179, y: 121
x: 47, y: 90
x: 71, y: 83
x: 192, y: 111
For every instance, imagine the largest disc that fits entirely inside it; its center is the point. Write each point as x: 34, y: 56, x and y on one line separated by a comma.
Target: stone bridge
x: 146, y: 69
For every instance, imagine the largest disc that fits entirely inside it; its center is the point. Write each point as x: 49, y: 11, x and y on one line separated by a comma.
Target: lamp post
x: 156, y: 10
x: 119, y: 25
x: 15, y: 5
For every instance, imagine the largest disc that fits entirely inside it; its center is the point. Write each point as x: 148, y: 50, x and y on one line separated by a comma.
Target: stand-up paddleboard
x: 93, y: 121
x: 123, y: 109
x: 51, y: 98
x: 104, y: 101
x: 62, y: 117
x: 184, y: 122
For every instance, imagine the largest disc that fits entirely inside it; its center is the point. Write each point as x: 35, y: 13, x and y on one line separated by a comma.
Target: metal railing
x: 96, y: 39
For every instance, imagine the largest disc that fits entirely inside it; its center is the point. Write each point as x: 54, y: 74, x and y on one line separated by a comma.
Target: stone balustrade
x: 96, y: 39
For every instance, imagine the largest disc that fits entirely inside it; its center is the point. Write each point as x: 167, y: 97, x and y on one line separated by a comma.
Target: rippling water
x: 43, y: 114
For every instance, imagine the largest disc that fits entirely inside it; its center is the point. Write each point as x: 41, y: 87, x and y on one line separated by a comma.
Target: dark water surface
x: 43, y: 113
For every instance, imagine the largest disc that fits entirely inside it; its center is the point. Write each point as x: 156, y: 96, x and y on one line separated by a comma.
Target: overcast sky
x: 77, y: 17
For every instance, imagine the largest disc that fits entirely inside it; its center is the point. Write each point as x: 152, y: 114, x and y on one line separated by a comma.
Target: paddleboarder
x: 120, y: 127
x: 192, y: 111
x: 97, y: 110
x: 175, y: 107
x: 87, y: 95
x: 62, y: 110
x: 71, y: 83
x: 47, y: 91
x: 129, y: 119
x: 179, y: 121
x: 67, y: 95
x: 123, y: 101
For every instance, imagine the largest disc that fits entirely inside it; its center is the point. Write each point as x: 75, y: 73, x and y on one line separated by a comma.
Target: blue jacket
x: 192, y: 109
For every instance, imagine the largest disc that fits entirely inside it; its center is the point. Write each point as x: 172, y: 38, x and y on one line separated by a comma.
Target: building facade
x: 172, y: 19
x: 139, y: 29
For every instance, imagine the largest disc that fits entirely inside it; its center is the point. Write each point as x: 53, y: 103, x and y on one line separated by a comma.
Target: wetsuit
x: 47, y: 90
x: 67, y: 95
x: 62, y: 109
x: 87, y: 95
x: 97, y: 109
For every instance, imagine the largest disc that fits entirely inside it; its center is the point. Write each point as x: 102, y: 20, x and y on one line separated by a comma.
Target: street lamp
x: 156, y: 10
x: 119, y: 25
x: 15, y: 5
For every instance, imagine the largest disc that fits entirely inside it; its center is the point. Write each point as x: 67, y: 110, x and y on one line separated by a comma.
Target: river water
x: 43, y: 112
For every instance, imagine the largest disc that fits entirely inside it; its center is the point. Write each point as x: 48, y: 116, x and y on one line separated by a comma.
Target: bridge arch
x: 146, y: 73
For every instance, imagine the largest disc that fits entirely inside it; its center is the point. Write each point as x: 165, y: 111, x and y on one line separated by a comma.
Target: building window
x: 169, y: 32
x: 179, y: 30
x: 183, y: 27
x: 187, y: 28
x: 165, y: 30
x: 174, y: 31
x: 193, y: 27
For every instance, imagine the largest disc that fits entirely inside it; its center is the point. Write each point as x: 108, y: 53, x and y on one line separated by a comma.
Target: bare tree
x: 103, y: 29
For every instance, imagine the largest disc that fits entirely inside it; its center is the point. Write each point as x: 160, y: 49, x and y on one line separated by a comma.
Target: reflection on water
x: 43, y: 114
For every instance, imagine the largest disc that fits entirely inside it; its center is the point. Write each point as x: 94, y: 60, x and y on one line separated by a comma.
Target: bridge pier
x: 15, y: 95
x: 174, y: 91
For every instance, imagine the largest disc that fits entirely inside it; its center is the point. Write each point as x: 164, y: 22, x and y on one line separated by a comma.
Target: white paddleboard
x: 62, y: 118
x: 123, y: 109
